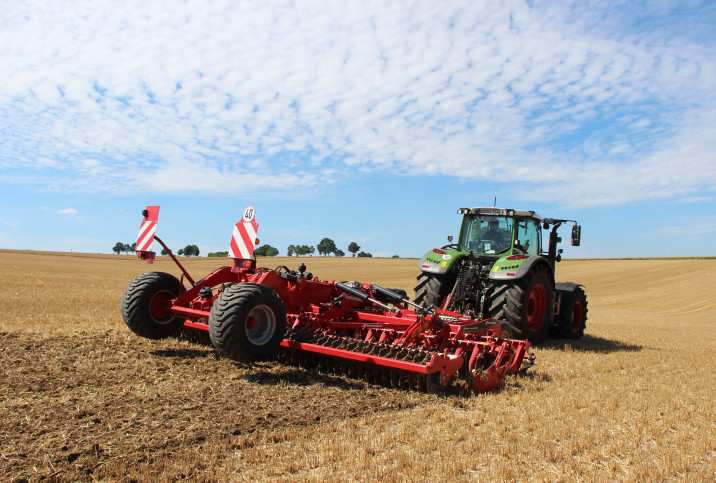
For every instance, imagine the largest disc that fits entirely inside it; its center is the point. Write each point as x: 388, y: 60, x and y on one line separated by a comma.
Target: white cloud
x: 691, y: 227
x: 68, y: 211
x: 10, y: 224
x: 205, y: 97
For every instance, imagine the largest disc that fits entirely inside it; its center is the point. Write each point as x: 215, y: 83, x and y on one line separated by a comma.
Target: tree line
x: 120, y: 247
x: 325, y: 247
x: 187, y: 251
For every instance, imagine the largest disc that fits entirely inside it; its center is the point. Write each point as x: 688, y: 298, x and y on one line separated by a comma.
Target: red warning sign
x: 243, y: 237
x: 147, y: 229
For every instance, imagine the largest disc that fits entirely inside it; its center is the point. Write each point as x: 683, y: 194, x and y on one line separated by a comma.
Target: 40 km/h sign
x: 243, y: 237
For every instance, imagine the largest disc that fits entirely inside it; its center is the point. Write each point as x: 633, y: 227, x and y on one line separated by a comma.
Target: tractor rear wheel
x: 247, y: 321
x: 526, y: 304
x: 146, y: 305
x: 432, y: 289
x: 572, y: 315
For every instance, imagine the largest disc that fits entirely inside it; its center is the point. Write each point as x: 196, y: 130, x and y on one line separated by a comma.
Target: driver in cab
x: 494, y: 233
x: 494, y: 236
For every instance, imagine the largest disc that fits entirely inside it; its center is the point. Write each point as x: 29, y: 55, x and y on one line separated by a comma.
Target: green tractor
x: 498, y: 270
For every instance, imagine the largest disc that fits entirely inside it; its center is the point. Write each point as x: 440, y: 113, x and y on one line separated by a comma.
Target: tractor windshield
x: 489, y: 235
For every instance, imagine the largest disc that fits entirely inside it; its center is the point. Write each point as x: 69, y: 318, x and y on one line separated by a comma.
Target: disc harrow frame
x: 354, y: 329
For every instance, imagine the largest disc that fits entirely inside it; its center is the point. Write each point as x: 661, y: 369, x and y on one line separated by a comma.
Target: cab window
x: 528, y: 237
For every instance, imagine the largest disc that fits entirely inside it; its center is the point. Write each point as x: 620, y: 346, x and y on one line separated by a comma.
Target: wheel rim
x: 260, y: 325
x: 577, y: 316
x: 536, y: 308
x: 159, y: 307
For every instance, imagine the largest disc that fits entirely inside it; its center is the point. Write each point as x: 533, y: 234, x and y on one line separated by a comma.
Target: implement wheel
x: 572, y: 315
x: 247, y: 322
x: 526, y: 304
x: 146, y: 305
x: 432, y: 289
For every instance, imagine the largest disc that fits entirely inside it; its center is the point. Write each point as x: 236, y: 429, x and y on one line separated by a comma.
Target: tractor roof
x: 490, y: 211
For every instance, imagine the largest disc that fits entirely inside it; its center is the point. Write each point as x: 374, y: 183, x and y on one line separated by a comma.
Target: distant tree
x: 180, y: 252
x: 340, y: 253
x: 118, y: 247
x: 364, y: 254
x: 353, y: 248
x: 260, y: 251
x: 290, y: 250
x: 133, y: 247
x: 165, y: 252
x: 326, y: 247
x: 126, y: 247
x: 303, y: 250
x: 395, y: 256
x: 190, y: 251
x: 266, y: 251
x: 311, y: 250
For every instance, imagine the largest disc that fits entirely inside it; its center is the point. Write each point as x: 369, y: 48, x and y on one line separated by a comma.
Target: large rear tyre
x: 572, y: 318
x: 146, y: 305
x: 247, y: 322
x: 526, y: 304
x: 432, y: 289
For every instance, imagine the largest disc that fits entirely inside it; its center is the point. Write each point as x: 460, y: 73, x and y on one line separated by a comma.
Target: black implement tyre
x: 247, y: 322
x: 572, y: 318
x: 146, y: 303
x: 432, y: 289
x: 526, y: 304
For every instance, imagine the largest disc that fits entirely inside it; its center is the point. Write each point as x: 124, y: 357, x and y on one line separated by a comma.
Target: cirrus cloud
x: 567, y: 97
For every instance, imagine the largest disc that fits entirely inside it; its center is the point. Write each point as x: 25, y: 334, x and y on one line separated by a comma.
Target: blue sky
x: 360, y: 121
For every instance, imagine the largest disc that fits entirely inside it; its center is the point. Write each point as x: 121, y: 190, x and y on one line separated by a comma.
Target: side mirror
x: 576, y: 235
x: 449, y: 238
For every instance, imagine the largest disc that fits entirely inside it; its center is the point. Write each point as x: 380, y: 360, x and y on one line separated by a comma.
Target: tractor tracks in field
x: 73, y: 404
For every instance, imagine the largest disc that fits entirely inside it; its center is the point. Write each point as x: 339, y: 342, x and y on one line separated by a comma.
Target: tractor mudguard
x: 441, y: 260
x: 567, y: 286
x: 565, y: 291
x: 512, y: 268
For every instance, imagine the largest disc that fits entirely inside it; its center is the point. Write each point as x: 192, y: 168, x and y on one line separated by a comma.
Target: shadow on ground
x: 591, y: 343
x: 297, y: 376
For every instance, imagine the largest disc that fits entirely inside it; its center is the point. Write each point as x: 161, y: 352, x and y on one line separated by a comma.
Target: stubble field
x: 82, y: 398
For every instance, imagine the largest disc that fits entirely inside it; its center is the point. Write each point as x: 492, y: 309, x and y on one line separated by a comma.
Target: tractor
x: 498, y: 269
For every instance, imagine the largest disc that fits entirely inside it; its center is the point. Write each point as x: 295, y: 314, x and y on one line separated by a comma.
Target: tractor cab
x: 499, y: 232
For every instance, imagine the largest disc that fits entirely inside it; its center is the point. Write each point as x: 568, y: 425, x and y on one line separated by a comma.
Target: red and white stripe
x: 147, y: 229
x: 243, y: 239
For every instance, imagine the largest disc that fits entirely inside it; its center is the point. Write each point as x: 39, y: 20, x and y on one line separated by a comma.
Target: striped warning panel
x: 243, y: 237
x: 147, y: 229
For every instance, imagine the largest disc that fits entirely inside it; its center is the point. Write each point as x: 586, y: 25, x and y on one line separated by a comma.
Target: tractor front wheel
x: 247, y: 321
x: 146, y: 305
x: 526, y: 304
